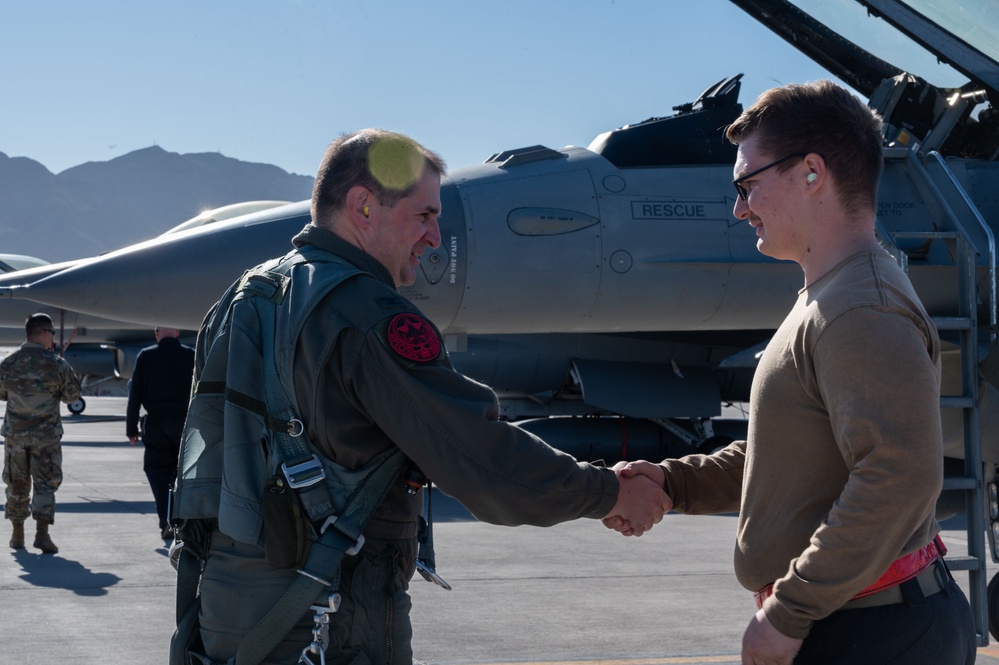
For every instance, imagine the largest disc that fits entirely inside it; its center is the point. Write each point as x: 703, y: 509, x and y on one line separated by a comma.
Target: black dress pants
x: 934, y: 630
x: 161, y: 438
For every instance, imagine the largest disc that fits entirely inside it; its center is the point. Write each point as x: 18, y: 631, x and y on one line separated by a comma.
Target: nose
x: 741, y: 208
x: 433, y: 234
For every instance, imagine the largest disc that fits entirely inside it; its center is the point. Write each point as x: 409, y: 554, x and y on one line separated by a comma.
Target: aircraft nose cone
x: 171, y: 280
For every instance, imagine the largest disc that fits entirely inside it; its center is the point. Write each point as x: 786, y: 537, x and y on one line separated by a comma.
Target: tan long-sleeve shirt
x: 842, y: 465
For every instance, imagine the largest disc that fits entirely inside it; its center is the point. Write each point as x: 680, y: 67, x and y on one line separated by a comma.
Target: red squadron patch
x: 413, y: 338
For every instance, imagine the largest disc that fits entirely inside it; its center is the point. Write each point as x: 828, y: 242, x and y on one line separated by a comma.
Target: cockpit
x: 935, y: 79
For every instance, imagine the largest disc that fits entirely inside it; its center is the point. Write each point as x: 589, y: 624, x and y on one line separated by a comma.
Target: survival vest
x: 228, y: 450
x: 243, y: 441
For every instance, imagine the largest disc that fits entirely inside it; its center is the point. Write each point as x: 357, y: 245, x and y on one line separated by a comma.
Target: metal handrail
x: 990, y: 237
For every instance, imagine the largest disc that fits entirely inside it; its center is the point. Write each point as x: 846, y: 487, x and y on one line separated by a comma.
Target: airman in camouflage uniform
x: 33, y: 380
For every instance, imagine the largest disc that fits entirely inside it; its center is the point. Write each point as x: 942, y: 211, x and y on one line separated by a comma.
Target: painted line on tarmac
x: 991, y: 651
x: 679, y: 660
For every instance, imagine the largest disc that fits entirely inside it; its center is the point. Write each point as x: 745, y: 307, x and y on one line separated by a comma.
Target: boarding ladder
x: 959, y: 224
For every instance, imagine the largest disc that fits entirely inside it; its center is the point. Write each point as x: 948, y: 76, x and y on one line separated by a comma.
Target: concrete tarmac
x: 574, y: 593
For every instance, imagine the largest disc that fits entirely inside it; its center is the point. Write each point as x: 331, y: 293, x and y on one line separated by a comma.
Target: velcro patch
x: 413, y: 338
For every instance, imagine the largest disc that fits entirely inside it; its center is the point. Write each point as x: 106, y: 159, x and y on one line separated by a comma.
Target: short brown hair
x: 387, y: 163
x: 823, y: 118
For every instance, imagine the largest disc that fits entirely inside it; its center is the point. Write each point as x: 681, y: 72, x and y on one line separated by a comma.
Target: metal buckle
x: 302, y: 571
x: 426, y: 569
x: 295, y: 427
x: 174, y: 554
x: 304, y: 474
x: 305, y: 660
x: 332, y: 605
x: 320, y: 633
x: 355, y: 548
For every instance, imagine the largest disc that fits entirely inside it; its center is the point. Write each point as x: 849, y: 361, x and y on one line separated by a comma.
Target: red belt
x: 902, y: 569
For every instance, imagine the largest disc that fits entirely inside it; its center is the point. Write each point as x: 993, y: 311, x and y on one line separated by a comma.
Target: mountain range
x: 101, y: 206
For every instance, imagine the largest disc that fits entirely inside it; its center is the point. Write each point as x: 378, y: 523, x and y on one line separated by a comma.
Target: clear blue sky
x: 274, y: 81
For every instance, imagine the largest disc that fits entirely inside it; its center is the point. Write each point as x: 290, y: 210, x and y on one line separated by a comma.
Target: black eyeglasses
x: 743, y: 193
x: 48, y: 330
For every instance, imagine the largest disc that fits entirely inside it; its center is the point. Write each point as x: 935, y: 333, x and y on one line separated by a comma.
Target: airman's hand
x: 641, y: 503
x: 636, y: 470
x: 762, y: 644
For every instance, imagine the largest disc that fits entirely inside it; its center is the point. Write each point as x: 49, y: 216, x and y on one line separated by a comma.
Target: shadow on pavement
x: 57, y: 572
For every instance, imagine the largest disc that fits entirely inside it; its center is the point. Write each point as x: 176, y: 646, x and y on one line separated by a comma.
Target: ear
x: 358, y: 206
x: 815, y: 170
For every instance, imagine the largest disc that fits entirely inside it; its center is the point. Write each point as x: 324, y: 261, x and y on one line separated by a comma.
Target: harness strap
x: 188, y: 578
x: 242, y: 400
x: 339, y: 535
x: 325, y: 557
x: 209, y: 388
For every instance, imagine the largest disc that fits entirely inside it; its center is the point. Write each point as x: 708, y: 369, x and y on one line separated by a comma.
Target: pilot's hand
x: 633, y: 470
x: 652, y: 471
x: 133, y: 440
x: 762, y: 644
x: 641, y: 504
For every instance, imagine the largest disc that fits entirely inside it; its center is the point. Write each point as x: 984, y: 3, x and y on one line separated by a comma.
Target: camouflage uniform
x: 33, y: 380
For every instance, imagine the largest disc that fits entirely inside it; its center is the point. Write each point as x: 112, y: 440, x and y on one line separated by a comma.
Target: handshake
x: 641, y: 499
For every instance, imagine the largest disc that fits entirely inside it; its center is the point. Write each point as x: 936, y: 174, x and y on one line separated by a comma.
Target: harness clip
x: 355, y: 548
x: 306, y: 474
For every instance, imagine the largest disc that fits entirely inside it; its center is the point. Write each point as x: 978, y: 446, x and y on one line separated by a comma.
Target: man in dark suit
x: 161, y: 384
